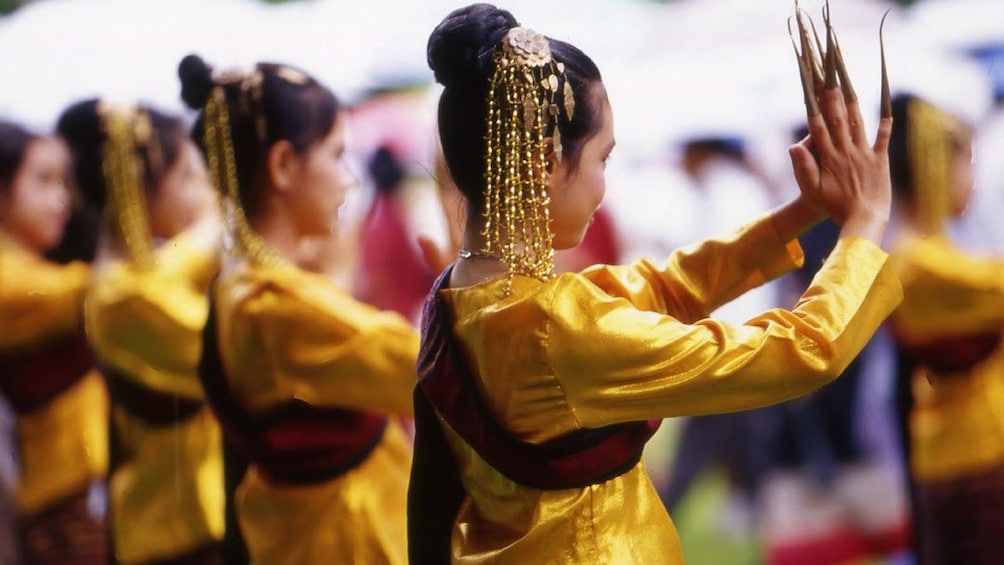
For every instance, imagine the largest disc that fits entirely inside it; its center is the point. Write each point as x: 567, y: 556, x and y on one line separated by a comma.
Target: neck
x: 476, y: 269
x: 20, y: 242
x: 279, y: 232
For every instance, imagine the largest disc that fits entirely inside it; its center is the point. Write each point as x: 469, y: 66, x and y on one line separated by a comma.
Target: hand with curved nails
x: 837, y: 169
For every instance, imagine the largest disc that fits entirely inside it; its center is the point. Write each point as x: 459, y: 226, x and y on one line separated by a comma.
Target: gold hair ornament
x: 223, y: 164
x: 930, y: 150
x: 128, y: 131
x: 528, y: 92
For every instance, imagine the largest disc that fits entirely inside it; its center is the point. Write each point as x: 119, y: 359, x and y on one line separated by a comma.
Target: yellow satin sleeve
x: 147, y: 324
x: 647, y: 365
x: 947, y: 292
x: 290, y: 334
x: 695, y: 281
x: 957, y: 425
x: 38, y: 299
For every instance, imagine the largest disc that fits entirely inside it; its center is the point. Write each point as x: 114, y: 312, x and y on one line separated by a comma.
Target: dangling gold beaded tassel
x: 223, y: 170
x: 524, y: 103
x: 930, y: 150
x: 126, y: 129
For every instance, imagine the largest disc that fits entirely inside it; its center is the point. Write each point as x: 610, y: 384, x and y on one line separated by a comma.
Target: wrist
x: 866, y: 223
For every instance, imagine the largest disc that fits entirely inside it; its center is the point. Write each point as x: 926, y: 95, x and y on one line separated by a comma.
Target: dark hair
x: 900, y: 170
x: 14, y: 142
x: 461, y: 54
x: 81, y: 125
x: 290, y: 105
x: 899, y: 154
x: 386, y: 170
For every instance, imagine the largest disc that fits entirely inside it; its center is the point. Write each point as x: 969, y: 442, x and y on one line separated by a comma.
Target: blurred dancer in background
x: 307, y: 382
x: 47, y: 373
x: 949, y: 332
x: 145, y: 309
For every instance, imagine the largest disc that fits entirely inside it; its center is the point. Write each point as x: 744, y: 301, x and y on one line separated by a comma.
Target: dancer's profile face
x: 962, y: 172
x: 182, y: 193
x: 321, y: 183
x: 577, y: 189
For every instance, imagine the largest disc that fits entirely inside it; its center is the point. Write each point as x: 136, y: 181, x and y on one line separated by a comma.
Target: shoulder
x: 292, y: 297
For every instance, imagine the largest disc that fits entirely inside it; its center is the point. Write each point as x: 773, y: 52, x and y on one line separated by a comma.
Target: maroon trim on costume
x: 32, y: 378
x: 153, y: 407
x: 953, y: 354
x: 580, y: 458
x: 294, y: 443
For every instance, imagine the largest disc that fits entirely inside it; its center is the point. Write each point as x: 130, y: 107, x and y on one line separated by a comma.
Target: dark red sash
x: 577, y: 459
x: 952, y: 355
x: 295, y: 443
x: 152, y: 407
x: 32, y: 378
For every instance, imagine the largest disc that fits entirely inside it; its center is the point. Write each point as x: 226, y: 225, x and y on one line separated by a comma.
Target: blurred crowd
x: 827, y: 478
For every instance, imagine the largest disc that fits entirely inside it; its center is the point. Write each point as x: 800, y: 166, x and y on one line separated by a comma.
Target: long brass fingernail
x: 831, y: 60
x: 812, y: 59
x: 805, y: 75
x: 886, y: 109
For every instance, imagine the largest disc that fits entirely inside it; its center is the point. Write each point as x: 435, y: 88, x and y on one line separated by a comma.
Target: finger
x: 803, y: 164
x: 434, y: 258
x: 835, y: 113
x: 855, y: 121
x: 881, y: 145
x: 855, y: 124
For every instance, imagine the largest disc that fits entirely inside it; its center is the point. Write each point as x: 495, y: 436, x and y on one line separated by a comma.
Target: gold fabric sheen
x: 628, y: 343
x: 167, y: 496
x: 289, y: 334
x: 64, y: 444
x: 957, y: 426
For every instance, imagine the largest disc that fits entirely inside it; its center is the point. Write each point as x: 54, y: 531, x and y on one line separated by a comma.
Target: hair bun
x: 196, y: 81
x: 460, y: 49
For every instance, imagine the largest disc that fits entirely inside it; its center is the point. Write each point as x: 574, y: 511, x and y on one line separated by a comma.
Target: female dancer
x: 538, y: 392
x: 307, y: 382
x: 145, y: 309
x: 46, y: 369
x: 949, y: 330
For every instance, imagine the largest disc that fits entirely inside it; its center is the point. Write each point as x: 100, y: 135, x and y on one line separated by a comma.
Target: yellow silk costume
x: 286, y: 334
x: 166, y: 497
x: 622, y: 344
x: 957, y: 425
x: 63, y: 444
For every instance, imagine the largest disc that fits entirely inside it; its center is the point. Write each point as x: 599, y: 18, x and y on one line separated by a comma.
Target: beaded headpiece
x: 128, y: 131
x: 528, y: 92
x: 930, y: 150
x: 240, y: 237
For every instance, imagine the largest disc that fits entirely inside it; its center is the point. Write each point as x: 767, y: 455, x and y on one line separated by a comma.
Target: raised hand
x: 836, y: 168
